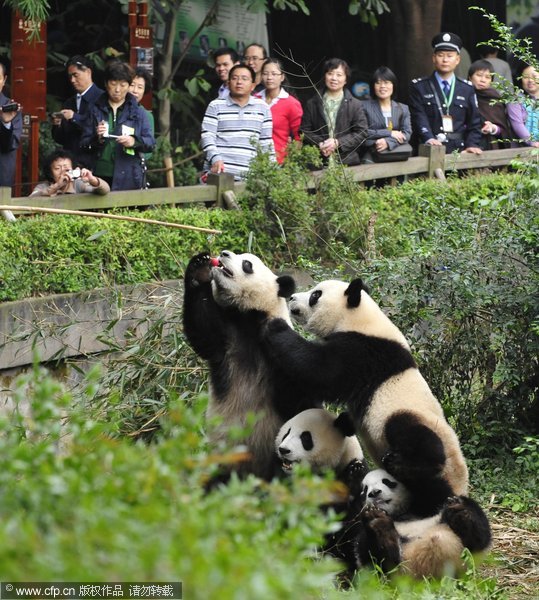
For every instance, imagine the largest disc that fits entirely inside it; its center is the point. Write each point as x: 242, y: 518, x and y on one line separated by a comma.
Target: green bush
x: 57, y: 254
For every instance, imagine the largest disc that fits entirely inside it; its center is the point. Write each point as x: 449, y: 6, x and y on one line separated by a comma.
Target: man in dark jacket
x: 444, y: 107
x: 333, y: 119
x: 67, y: 129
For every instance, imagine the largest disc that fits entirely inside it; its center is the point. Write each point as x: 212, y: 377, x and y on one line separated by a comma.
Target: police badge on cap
x: 447, y: 41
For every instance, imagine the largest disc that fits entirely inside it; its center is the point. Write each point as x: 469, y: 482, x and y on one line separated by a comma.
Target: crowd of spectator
x: 107, y: 135
x: 464, y: 114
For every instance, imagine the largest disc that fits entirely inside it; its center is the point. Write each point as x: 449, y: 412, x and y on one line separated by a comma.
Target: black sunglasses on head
x: 76, y: 63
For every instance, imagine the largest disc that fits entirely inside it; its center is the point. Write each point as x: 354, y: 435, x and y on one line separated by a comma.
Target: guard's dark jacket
x: 427, y: 117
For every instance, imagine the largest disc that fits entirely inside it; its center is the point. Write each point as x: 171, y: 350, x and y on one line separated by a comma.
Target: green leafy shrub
x: 184, y: 174
x: 57, y: 254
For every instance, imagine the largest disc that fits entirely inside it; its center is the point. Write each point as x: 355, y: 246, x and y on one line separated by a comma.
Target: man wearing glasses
x: 234, y: 127
x: 254, y: 57
x: 68, y: 123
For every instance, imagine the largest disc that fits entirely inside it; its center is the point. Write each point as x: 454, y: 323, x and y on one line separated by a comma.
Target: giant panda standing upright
x: 226, y: 302
x: 364, y: 361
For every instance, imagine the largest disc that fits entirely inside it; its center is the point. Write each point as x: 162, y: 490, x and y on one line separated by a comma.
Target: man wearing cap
x: 67, y: 128
x: 443, y: 107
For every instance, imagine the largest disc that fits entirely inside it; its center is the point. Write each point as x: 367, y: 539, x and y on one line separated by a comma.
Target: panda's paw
x: 198, y: 270
x: 468, y: 520
x: 372, y: 513
x: 452, y: 502
x: 274, y: 326
x: 394, y: 464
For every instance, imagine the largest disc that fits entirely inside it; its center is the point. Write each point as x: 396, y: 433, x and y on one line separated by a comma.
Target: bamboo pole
x: 98, y: 215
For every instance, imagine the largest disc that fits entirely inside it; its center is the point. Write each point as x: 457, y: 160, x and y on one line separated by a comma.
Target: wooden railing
x: 221, y: 189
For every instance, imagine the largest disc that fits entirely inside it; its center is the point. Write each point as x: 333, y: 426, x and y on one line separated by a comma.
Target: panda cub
x: 226, y: 302
x: 364, y: 362
x: 323, y: 441
x: 430, y: 547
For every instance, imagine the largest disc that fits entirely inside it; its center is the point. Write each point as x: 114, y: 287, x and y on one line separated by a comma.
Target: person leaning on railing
x: 524, y: 115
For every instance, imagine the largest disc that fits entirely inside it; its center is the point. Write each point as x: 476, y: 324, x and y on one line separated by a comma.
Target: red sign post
x: 29, y: 88
x: 141, y: 41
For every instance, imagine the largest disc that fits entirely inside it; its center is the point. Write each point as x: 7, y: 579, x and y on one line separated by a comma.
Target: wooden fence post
x: 436, y: 156
x: 224, y: 183
x: 5, y: 198
x: 169, y: 173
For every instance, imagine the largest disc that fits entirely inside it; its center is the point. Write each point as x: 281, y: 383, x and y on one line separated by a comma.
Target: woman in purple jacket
x: 524, y: 116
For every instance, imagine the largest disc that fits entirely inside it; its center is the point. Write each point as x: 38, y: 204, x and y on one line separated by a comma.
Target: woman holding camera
x: 10, y: 133
x: 62, y: 178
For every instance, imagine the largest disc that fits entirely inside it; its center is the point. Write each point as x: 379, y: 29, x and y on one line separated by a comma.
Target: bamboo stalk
x: 98, y: 215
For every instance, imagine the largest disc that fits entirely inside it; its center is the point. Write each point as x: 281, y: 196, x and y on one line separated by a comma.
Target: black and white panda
x: 365, y: 363
x: 226, y: 301
x: 429, y: 547
x: 323, y: 440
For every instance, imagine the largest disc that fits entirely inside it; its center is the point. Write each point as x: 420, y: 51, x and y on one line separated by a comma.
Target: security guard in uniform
x: 444, y: 107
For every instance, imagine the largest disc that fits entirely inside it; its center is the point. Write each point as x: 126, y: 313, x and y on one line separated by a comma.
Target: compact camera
x: 10, y: 107
x: 74, y: 173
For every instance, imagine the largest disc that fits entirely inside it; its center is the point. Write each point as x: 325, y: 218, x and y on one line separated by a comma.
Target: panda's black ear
x: 345, y: 424
x: 287, y: 286
x: 353, y: 293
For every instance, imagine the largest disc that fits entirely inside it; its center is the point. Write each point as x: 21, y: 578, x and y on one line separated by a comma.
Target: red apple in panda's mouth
x: 215, y: 262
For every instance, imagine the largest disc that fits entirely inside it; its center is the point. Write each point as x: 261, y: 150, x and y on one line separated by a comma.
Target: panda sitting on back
x: 364, y: 362
x: 226, y: 302
x: 377, y: 523
x: 428, y: 547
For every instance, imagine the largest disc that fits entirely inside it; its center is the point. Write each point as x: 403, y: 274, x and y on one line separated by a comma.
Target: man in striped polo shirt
x: 234, y: 127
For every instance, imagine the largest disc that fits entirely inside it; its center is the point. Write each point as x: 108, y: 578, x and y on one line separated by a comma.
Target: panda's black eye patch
x: 286, y: 435
x: 247, y: 266
x: 307, y: 440
x: 314, y: 297
x: 390, y: 484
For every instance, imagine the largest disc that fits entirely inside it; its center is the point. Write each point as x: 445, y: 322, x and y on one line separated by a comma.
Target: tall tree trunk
x: 413, y: 25
x: 164, y: 71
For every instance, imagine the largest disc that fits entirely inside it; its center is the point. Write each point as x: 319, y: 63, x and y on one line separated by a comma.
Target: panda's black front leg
x: 467, y: 519
x: 203, y: 324
x: 310, y: 363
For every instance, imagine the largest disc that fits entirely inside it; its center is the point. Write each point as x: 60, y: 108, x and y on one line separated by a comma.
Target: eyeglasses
x: 249, y: 58
x: 240, y: 78
x: 265, y: 74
